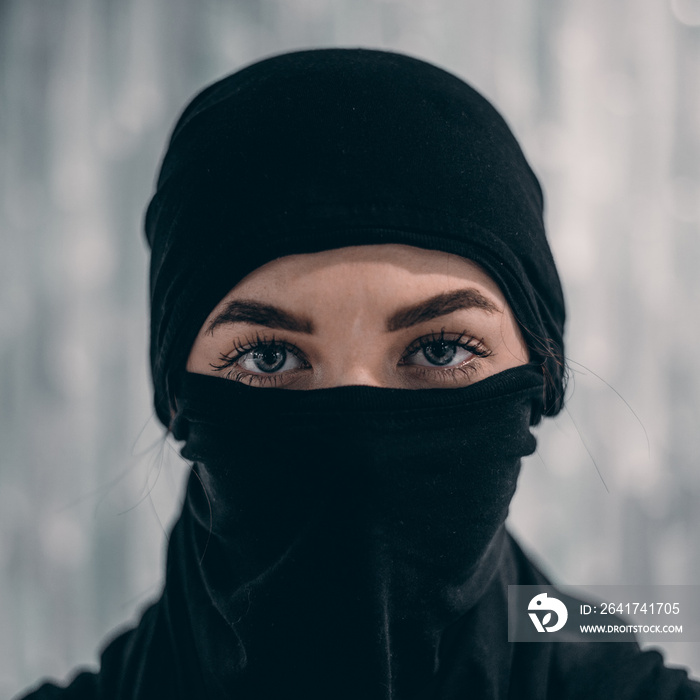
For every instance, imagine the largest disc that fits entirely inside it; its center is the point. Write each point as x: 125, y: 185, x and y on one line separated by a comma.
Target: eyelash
x: 256, y: 343
x: 462, y: 340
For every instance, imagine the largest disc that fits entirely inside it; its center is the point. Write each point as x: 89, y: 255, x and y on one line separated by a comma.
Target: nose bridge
x: 354, y: 351
x: 350, y: 371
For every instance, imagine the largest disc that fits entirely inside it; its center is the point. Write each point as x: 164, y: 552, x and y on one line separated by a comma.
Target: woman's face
x: 381, y: 315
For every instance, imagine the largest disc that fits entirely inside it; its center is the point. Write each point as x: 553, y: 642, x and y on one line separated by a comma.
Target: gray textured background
x: 605, y: 98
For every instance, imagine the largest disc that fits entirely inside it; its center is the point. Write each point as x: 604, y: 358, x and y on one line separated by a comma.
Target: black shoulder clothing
x: 350, y: 542
x: 476, y: 662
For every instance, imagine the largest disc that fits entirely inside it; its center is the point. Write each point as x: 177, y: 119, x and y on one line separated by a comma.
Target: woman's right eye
x: 260, y: 361
x: 268, y: 359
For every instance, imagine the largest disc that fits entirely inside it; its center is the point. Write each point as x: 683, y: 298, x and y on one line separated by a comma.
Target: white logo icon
x: 542, y: 602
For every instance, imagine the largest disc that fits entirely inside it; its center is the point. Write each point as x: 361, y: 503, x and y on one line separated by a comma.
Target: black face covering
x: 338, y: 532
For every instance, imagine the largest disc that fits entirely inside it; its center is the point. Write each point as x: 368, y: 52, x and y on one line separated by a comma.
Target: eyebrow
x: 250, y: 311
x: 440, y: 305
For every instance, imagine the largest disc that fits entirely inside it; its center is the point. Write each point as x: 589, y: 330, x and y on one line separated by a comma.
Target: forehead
x: 382, y: 266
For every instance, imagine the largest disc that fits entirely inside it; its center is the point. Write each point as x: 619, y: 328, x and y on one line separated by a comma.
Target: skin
x: 349, y: 299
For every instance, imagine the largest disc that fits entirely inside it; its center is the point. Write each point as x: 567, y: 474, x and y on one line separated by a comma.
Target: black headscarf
x: 349, y: 542
x: 335, y: 147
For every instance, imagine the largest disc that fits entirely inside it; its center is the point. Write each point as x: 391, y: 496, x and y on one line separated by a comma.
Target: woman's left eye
x: 442, y: 352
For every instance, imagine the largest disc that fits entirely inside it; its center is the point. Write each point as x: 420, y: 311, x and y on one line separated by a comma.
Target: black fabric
x: 334, y: 147
x: 339, y: 531
x: 476, y: 663
x: 350, y: 543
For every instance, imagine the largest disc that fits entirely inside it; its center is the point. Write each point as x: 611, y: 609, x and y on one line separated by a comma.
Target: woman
x: 356, y: 320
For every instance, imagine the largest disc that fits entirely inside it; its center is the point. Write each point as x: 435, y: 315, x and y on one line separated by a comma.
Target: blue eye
x: 261, y: 361
x: 440, y: 354
x: 438, y: 351
x: 268, y: 359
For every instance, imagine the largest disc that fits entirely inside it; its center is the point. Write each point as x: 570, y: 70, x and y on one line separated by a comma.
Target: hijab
x: 374, y: 519
x: 327, y: 148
